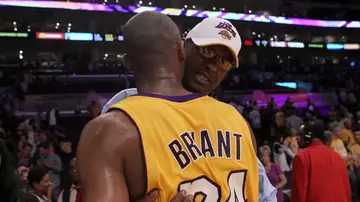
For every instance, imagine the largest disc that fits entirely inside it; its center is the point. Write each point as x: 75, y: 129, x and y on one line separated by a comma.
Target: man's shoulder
x: 223, y: 105
x: 303, y: 152
x: 115, y: 126
x: 106, y: 123
x: 218, y: 104
x: 54, y: 156
x: 119, y: 97
x: 27, y: 197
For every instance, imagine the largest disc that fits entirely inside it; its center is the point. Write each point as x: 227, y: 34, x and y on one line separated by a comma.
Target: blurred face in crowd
x: 44, y: 184
x: 22, y: 138
x: 73, y: 173
x: 23, y: 173
x: 357, y: 136
x: 43, y: 152
x: 293, y: 132
x: 338, y: 132
x: 348, y: 123
x: 205, y: 67
x: 20, y: 145
x: 27, y: 150
x: 43, y: 137
x: 265, y: 158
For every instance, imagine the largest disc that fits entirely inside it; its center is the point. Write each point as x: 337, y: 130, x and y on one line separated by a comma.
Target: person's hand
x: 182, y: 196
x: 354, y: 157
x: 50, y: 190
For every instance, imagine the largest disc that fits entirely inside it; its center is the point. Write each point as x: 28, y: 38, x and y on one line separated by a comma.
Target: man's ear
x: 182, y: 51
x: 126, y: 63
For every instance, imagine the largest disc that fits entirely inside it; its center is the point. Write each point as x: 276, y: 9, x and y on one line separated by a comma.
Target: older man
x: 208, y: 57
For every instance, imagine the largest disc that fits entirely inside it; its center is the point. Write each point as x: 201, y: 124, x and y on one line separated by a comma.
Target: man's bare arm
x: 100, y: 158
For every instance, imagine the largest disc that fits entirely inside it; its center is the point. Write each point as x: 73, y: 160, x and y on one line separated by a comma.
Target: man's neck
x: 165, y: 79
x: 316, y: 141
x: 164, y: 86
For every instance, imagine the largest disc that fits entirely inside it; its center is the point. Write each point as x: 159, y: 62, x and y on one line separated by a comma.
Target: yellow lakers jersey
x: 195, y: 143
x: 292, y: 143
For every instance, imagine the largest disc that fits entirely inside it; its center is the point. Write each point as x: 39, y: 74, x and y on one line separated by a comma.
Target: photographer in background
x: 319, y: 174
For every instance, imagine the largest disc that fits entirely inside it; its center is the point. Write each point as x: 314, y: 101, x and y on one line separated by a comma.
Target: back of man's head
x: 310, y: 131
x: 151, y: 40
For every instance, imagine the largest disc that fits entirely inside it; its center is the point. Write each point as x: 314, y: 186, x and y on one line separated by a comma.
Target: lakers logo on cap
x: 225, y: 34
x: 229, y: 29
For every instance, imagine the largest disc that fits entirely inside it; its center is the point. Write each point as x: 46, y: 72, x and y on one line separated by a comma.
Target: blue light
x: 78, y: 36
x: 334, y: 46
x: 292, y: 85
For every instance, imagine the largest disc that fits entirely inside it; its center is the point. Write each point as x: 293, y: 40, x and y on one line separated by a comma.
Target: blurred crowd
x: 43, y: 147
x: 277, y: 131
x: 34, y: 78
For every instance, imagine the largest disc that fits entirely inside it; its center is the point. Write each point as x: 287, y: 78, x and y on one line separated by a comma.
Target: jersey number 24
x: 211, y: 192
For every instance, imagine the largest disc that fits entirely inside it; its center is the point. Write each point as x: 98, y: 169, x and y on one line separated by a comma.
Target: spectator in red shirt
x: 319, y: 174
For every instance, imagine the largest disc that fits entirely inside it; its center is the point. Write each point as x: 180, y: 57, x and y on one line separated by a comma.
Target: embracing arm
x: 100, y: 159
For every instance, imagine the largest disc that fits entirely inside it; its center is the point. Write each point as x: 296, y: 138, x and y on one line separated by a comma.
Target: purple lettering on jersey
x: 238, y: 145
x: 193, y: 135
x: 206, y: 145
x: 191, y: 146
x: 179, y: 154
x: 223, y: 144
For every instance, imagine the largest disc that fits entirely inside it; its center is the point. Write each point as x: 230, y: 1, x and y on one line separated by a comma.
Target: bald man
x: 166, y: 137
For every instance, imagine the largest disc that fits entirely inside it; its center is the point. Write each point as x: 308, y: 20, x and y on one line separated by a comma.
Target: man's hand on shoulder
x: 181, y: 196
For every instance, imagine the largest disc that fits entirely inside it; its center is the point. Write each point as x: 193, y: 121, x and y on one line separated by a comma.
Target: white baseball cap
x: 217, y: 31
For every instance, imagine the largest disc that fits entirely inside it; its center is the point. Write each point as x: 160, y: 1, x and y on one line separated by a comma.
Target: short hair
x: 263, y: 150
x: 36, y: 175
x: 26, y: 144
x: 149, y: 38
x: 314, y: 128
x: 45, y: 145
x: 328, y: 136
x: 334, y: 125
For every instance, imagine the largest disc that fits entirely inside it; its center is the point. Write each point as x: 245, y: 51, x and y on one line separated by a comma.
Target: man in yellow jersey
x: 165, y: 137
x: 196, y: 62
